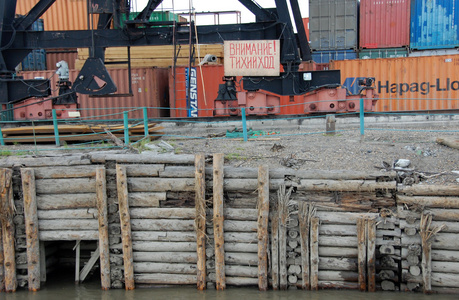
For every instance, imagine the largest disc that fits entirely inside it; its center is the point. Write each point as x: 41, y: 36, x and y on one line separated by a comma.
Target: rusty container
x: 384, y: 23
x: 408, y: 83
x: 54, y: 56
x: 149, y: 89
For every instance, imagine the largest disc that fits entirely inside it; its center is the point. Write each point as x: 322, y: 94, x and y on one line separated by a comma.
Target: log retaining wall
x: 175, y: 220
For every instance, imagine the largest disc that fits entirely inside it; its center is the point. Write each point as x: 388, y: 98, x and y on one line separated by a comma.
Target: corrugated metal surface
x: 333, y: 24
x: 434, y: 24
x: 405, y: 84
x: 324, y: 57
x: 55, y: 56
x: 384, y: 23
x: 149, y: 86
x: 34, y: 61
x: 434, y: 52
x: 62, y: 15
x: 383, y: 53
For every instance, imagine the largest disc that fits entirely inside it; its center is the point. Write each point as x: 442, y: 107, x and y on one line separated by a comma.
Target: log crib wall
x: 177, y: 220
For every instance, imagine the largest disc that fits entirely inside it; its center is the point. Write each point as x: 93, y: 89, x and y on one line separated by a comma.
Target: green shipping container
x: 156, y: 16
x: 383, y: 53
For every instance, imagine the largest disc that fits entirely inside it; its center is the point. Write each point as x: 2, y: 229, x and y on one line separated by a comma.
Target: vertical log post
x: 125, y: 220
x: 6, y: 217
x: 283, y: 197
x: 31, y: 222
x: 101, y: 194
x: 275, y: 248
x: 262, y: 230
x: 426, y: 260
x: 371, y: 254
x: 362, y: 253
x: 77, y: 261
x: 218, y: 222
x: 2, y: 269
x: 314, y: 253
x: 42, y: 262
x: 200, y: 220
x: 303, y: 216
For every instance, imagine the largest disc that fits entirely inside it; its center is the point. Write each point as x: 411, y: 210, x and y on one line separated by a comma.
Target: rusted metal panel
x: 62, y: 15
x: 384, y: 23
x: 408, y: 83
x: 55, y: 56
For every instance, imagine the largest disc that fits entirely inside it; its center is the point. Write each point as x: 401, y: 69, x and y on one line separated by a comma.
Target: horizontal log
x: 166, y: 257
x: 143, y: 158
x: 443, y: 214
x: 241, y: 271
x: 164, y: 224
x: 445, y: 267
x: 445, y: 241
x: 345, y: 185
x: 239, y: 226
x: 143, y: 246
x: 65, y: 172
x: 146, y: 199
x: 69, y: 224
x: 448, y: 226
x: 241, y: 247
x: 162, y: 213
x: 240, y: 237
x: 337, y: 241
x: 245, y: 259
x: 172, y: 236
x: 443, y: 290
x: 444, y: 255
x: 161, y: 278
x: 65, y: 186
x: 13, y: 161
x: 343, y: 217
x: 156, y: 184
x: 144, y: 170
x: 341, y: 230
x: 338, y: 251
x: 68, y: 235
x: 407, y: 240
x: 238, y: 185
x: 338, y: 264
x: 343, y: 285
x: 396, y: 232
x: 66, y: 201
x: 444, y: 279
x: 338, y: 276
x: 149, y: 267
x: 432, y: 201
x: 238, y: 214
x: 80, y: 213
x: 241, y: 281
x: 429, y: 190
x: 177, y: 172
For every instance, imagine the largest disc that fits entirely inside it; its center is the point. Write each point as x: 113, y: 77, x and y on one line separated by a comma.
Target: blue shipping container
x: 324, y: 57
x: 36, y: 60
x: 434, y: 24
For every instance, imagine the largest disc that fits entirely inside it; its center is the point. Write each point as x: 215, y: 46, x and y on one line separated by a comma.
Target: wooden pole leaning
x: 200, y: 220
x: 31, y: 222
x: 125, y: 219
x: 262, y: 230
x: 6, y: 217
x: 101, y: 196
x: 218, y: 219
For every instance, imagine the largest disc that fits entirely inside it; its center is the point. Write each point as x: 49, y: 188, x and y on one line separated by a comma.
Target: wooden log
x: 200, y: 219
x: 429, y: 190
x: 415, y: 270
x: 31, y: 222
x: 371, y: 254
x: 342, y: 217
x: 146, y: 199
x: 66, y: 201
x: 69, y: 235
x: 6, y: 217
x: 104, y: 252
x: 426, y: 261
x: 172, y: 236
x: 65, y: 186
x: 362, y: 257
x: 387, y: 250
x: 80, y: 213
x: 178, y: 171
x: 12, y: 161
x: 283, y: 200
x: 241, y: 247
x: 444, y: 255
x: 166, y: 257
x: 2, y: 261
x: 303, y: 218
x: 314, y: 253
x: 145, y: 246
x: 275, y: 248
x: 262, y: 224
x: 338, y: 263
x: 445, y: 279
x: 344, y: 186
x: 338, y: 276
x: 338, y: 252
x: 339, y: 230
x: 242, y: 281
x: 218, y: 219
x: 163, y: 213
x: 161, y: 278
x: 68, y: 224
x: 159, y: 225
x: 330, y: 174
x: 244, y: 259
x: 336, y: 241
x: 239, y: 226
x: 169, y: 268
x: 338, y: 285
x: 432, y: 201
x: 241, y: 271
x: 448, y: 227
x: 445, y: 241
x: 249, y: 185
x: 387, y: 274
x: 143, y: 158
x: 64, y: 172
x: 387, y: 285
x: 125, y: 220
x: 157, y: 184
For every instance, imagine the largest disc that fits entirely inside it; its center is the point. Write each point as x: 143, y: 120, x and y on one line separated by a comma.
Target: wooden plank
x: 275, y: 249
x: 66, y: 201
x: 344, y: 185
x: 200, y: 219
x: 163, y: 213
x: 169, y: 268
x: 6, y: 214
x: 218, y: 219
x: 104, y: 254
x: 31, y: 223
x: 429, y: 190
x: 263, y: 218
x: 125, y: 220
x: 13, y: 161
x: 362, y: 258
x: 68, y: 224
x: 64, y: 172
x: 164, y: 224
x: 69, y: 235
x: 157, y: 184
x: 66, y: 186
x: 429, y: 201
x: 77, y: 261
x: 303, y: 218
x: 42, y: 262
x: 79, y: 213
x: 89, y: 265
x: 171, y: 236
x: 146, y: 199
x: 161, y: 278
x: 371, y: 254
x: 314, y: 253
x: 143, y: 159
x: 166, y: 257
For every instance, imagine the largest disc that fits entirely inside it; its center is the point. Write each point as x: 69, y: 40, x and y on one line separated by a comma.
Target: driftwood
x: 450, y: 142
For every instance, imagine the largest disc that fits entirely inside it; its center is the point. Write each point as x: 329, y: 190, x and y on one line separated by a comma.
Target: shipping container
x: 333, y: 24
x: 324, y: 57
x: 156, y: 16
x: 306, y: 26
x: 435, y: 52
x: 54, y: 56
x: 384, y: 23
x: 34, y: 61
x: 383, y: 53
x: 434, y: 24
x: 149, y: 88
x: 407, y: 84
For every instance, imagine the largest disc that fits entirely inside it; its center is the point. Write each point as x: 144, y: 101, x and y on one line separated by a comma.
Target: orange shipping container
x: 408, y: 83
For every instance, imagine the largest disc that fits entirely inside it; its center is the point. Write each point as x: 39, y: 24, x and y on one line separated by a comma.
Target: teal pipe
x: 126, y: 128
x: 145, y: 121
x: 56, y: 128
x: 244, y: 124
x: 362, y: 118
